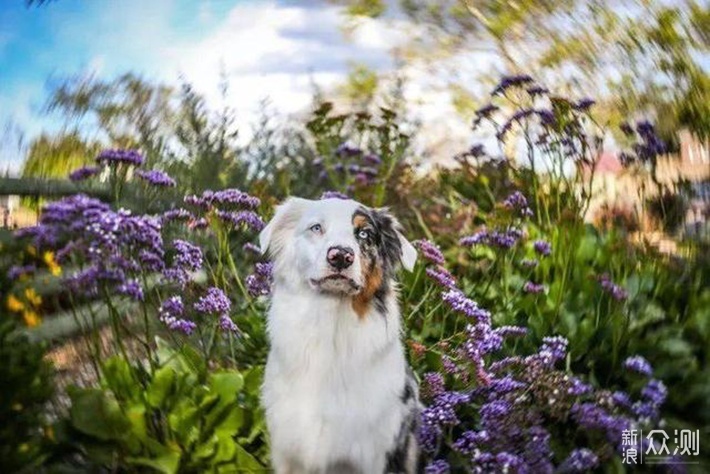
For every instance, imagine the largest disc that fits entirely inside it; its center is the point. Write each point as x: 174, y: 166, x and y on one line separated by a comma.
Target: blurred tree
x: 360, y: 86
x: 641, y: 56
x: 56, y: 157
x: 207, y: 149
x: 128, y: 111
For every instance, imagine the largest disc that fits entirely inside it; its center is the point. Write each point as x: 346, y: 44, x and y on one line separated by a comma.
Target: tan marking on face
x: 372, y: 276
x: 359, y: 221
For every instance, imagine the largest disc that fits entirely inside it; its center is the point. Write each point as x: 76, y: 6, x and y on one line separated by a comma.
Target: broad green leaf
x: 95, y: 413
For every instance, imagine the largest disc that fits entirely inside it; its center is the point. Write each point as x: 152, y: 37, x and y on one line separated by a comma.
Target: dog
x: 338, y: 393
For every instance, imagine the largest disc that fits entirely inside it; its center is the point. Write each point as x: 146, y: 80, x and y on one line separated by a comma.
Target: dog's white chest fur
x: 333, y: 385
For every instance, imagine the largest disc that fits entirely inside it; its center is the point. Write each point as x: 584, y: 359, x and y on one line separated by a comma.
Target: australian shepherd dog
x: 338, y: 393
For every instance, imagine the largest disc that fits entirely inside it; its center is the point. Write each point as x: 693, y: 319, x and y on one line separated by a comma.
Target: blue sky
x: 268, y: 48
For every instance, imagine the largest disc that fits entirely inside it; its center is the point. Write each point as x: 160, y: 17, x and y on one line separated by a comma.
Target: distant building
x: 8, y: 207
x: 620, y: 188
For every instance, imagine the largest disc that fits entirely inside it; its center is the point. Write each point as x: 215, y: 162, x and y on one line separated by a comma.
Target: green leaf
x: 246, y: 461
x: 160, y: 386
x: 95, y: 413
x: 226, y: 384
x: 168, y: 463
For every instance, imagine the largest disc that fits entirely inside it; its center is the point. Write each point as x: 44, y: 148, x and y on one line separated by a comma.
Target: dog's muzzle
x: 337, y: 283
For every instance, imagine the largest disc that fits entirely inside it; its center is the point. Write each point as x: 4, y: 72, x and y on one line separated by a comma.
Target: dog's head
x: 336, y: 246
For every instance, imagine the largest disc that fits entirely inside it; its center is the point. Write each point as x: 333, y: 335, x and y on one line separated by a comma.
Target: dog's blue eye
x: 363, y: 234
x: 316, y: 228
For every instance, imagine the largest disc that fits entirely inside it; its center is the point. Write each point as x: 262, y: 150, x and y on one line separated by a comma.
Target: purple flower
x: 579, y: 460
x: 533, y: 288
x: 132, y: 289
x: 621, y: 399
x: 84, y: 172
x: 225, y: 197
x: 439, y: 466
x: 428, y: 435
x: 372, y: 159
x: 537, y: 90
x: 156, y: 178
x: 17, y: 271
x: 469, y: 441
x: 226, y: 324
x: 441, y: 276
x: 511, y: 331
x: 434, y: 384
x: 188, y: 256
x: 584, y: 104
x: 334, y: 195
x: 128, y: 157
x: 616, y: 291
x: 486, y: 111
x: 177, y: 215
x: 511, y: 81
x: 442, y: 410
x: 542, y: 247
x: 529, y: 263
x: 655, y: 392
x: 214, y: 302
x: 555, y: 347
x: 517, y: 201
x: 480, y: 237
x: 459, y: 303
x: 430, y: 251
x: 247, y: 218
x: 639, y: 365
x: 259, y: 282
x: 171, y: 312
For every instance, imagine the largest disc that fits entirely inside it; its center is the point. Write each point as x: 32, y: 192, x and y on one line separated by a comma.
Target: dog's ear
x: 409, y: 253
x: 396, y: 246
x: 285, y: 217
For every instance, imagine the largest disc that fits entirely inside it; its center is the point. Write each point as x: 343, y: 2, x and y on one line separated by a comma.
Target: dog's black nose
x: 340, y: 258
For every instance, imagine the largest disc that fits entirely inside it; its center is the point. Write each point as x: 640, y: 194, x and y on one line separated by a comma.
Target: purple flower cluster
x: 542, y: 247
x: 109, y: 246
x: 259, y: 282
x: 519, y: 203
x: 156, y: 178
x: 223, y: 198
x: 179, y: 214
x: 499, y: 239
x: 116, y: 156
x: 357, y: 166
x: 171, y: 314
x: 429, y: 251
x: 466, y: 306
x: 617, y: 292
x: 85, y: 172
x: 17, y: 271
x: 214, y: 302
x: 249, y: 219
x: 508, y: 82
x: 226, y: 324
x: 520, y: 401
x: 441, y: 276
x: 648, y: 145
x: 533, y: 288
x: 639, y: 365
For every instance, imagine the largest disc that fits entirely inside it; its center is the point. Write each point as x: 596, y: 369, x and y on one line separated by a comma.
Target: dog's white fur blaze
x: 334, y: 379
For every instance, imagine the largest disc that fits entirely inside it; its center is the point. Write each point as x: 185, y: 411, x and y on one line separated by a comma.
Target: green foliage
x: 55, y: 157
x: 178, y: 416
x: 26, y: 389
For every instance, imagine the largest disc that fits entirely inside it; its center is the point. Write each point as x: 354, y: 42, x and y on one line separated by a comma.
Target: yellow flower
x: 32, y: 296
x: 53, y: 266
x: 14, y: 305
x: 31, y: 318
